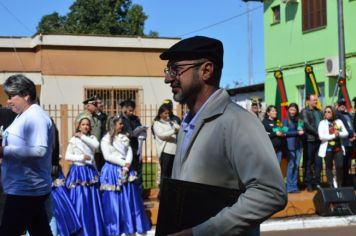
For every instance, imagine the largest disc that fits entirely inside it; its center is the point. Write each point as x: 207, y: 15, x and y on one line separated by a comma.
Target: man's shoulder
x: 237, y: 109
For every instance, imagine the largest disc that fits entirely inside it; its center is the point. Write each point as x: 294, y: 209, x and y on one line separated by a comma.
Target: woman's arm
x: 108, y: 153
x: 269, y: 129
x: 323, y: 131
x: 23, y: 153
x: 91, y: 141
x: 343, y: 133
x: 71, y: 155
x: 161, y: 133
x: 129, y: 156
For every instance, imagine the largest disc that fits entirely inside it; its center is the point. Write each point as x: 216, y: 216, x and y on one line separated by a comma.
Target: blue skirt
x: 83, y: 185
x: 64, y: 212
x: 124, y: 212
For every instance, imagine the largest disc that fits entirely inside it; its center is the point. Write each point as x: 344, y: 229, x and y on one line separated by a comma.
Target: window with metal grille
x: 276, y: 11
x: 313, y: 14
x: 112, y: 97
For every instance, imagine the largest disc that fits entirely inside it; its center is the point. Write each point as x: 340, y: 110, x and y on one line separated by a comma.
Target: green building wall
x: 289, y: 48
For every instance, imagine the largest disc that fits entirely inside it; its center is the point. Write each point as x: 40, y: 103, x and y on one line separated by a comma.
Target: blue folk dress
x: 83, y: 184
x: 67, y: 220
x: 124, y: 212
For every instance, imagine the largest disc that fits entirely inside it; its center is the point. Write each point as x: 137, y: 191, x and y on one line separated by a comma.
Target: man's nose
x: 168, y: 79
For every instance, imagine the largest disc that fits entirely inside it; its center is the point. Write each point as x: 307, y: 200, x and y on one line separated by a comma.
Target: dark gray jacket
x: 310, y: 127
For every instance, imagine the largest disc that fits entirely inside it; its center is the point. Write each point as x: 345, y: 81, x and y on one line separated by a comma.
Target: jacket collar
x: 214, y: 108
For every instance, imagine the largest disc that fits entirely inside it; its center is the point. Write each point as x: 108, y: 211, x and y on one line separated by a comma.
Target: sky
x: 226, y: 21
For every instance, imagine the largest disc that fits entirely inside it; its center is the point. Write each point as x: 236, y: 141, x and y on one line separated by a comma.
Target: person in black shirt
x: 135, y: 131
x: 311, y: 117
x: 348, y: 141
x: 271, y: 124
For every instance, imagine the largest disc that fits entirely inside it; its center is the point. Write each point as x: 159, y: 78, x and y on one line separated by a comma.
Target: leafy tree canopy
x: 100, y: 17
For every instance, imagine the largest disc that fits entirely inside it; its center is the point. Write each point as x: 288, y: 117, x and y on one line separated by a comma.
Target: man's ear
x: 27, y: 98
x: 207, y: 71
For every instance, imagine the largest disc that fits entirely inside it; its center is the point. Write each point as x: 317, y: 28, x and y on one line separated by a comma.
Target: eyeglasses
x: 172, y: 70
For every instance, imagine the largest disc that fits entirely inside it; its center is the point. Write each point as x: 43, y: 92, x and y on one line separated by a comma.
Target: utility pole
x: 249, y: 42
x: 341, y: 38
x: 341, y: 82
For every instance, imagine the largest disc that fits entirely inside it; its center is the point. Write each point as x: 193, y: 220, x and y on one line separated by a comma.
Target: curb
x: 307, y: 223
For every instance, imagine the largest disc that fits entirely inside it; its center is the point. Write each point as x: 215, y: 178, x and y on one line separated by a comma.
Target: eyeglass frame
x: 168, y: 70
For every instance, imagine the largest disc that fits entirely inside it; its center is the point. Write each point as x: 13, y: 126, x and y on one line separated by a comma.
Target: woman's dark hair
x: 20, y: 85
x: 269, y: 108
x: 161, y: 109
x: 333, y: 112
x: 296, y: 116
x: 128, y: 103
x: 80, y: 121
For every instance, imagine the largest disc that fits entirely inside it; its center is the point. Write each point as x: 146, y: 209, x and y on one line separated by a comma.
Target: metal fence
x: 64, y: 116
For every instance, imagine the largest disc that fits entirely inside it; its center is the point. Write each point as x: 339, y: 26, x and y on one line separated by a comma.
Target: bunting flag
x: 311, y: 86
x: 281, y: 96
x: 344, y: 94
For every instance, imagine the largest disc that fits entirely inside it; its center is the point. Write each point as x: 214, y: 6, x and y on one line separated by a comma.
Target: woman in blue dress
x: 83, y: 180
x: 124, y: 212
x: 67, y: 220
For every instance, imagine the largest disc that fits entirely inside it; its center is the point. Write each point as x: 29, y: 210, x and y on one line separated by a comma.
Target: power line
x: 220, y: 22
x: 16, y: 18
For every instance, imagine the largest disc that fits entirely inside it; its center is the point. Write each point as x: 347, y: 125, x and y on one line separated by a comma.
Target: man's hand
x: 186, y: 232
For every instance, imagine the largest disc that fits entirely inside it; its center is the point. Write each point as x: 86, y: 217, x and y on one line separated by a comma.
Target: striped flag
x: 344, y: 94
x: 311, y: 86
x: 281, y: 96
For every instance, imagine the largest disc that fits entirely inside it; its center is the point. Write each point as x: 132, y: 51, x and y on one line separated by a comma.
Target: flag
x: 311, y: 86
x: 344, y: 94
x: 281, y: 96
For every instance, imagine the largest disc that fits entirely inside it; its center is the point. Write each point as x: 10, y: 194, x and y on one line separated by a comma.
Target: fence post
x: 64, y: 135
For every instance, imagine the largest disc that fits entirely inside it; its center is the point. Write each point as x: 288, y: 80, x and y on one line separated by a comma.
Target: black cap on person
x: 91, y: 100
x: 341, y: 101
x: 196, y: 48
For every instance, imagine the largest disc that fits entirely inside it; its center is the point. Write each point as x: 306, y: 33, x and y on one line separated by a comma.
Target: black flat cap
x: 91, y: 100
x: 341, y: 101
x: 196, y: 48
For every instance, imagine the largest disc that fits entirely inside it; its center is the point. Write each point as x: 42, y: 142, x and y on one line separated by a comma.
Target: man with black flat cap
x: 216, y: 144
x: 347, y: 142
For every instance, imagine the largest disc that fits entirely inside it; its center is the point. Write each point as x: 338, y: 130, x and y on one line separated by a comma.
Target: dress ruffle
x: 64, y: 212
x: 85, y: 175
x: 124, y: 212
x: 83, y: 183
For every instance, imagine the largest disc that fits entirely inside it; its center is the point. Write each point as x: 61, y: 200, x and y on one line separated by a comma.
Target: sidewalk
x: 306, y: 222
